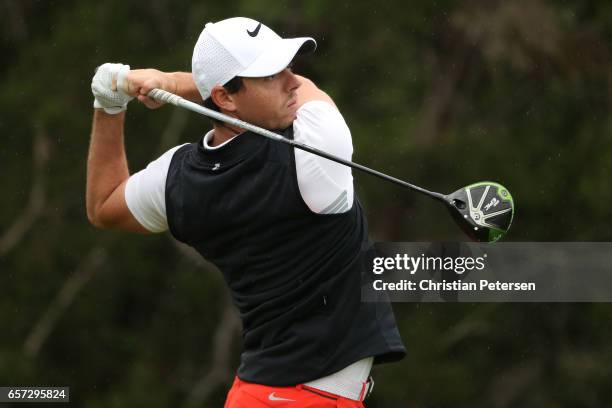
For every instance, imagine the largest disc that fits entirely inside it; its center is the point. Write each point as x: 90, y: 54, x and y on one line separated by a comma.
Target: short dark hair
x: 232, y: 86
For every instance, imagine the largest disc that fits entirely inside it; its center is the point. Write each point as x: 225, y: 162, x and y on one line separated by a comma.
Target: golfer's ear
x: 222, y: 98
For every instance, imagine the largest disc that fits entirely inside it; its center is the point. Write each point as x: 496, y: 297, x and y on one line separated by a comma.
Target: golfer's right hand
x: 139, y: 82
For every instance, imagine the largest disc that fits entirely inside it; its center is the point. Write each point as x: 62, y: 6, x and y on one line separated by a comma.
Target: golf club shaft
x: 167, y: 97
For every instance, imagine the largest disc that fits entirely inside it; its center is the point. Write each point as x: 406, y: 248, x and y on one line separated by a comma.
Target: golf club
x: 483, y: 210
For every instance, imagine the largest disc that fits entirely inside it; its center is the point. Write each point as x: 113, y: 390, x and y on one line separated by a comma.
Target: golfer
x: 283, y: 225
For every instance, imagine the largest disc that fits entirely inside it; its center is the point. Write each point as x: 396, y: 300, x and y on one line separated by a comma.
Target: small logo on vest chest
x: 217, y: 166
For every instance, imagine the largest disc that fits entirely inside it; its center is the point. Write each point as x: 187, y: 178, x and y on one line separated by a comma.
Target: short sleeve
x: 326, y: 186
x: 145, y: 193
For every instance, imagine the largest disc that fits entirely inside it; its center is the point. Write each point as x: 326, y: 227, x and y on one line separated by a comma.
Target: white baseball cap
x: 243, y: 47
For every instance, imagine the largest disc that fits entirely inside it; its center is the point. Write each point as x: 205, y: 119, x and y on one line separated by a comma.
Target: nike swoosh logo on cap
x: 271, y: 397
x: 255, y: 31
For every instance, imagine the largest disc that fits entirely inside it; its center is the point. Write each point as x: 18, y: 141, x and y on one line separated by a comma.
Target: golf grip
x: 167, y: 97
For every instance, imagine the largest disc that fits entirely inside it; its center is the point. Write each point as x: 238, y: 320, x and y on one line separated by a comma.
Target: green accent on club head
x: 495, y: 234
x: 503, y: 193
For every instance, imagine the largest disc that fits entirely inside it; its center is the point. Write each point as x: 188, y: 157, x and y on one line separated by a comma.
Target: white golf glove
x: 109, y: 95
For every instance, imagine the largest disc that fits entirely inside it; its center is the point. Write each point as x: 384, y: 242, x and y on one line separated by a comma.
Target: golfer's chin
x: 280, y: 122
x: 291, y: 115
x: 285, y: 123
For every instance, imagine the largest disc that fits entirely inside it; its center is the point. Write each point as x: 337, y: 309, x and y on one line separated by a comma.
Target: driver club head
x: 483, y: 210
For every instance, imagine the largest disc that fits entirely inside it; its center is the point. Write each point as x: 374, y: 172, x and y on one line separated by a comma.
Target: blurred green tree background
x: 440, y: 93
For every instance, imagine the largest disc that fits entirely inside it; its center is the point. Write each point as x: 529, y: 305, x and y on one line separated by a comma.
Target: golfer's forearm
x: 106, y: 163
x: 185, y: 86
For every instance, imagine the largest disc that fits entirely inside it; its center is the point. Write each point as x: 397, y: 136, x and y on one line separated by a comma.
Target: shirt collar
x: 208, y: 138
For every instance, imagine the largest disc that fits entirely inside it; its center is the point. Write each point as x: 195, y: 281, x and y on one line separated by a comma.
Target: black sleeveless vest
x: 294, y: 275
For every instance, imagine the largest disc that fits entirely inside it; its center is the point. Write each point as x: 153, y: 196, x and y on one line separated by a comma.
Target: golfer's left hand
x: 104, y: 88
x: 139, y: 82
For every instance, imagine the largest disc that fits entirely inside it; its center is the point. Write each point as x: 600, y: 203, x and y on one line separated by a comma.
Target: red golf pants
x: 248, y: 395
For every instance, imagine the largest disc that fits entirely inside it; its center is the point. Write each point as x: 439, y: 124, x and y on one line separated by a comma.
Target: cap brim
x: 278, y: 55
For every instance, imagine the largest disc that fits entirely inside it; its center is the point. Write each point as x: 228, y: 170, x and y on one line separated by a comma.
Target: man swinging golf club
x: 282, y: 225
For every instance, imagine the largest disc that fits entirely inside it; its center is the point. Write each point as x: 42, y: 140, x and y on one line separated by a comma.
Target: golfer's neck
x: 223, y: 132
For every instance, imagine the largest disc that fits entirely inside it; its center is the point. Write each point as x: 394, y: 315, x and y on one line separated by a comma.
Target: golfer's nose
x: 293, y: 82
